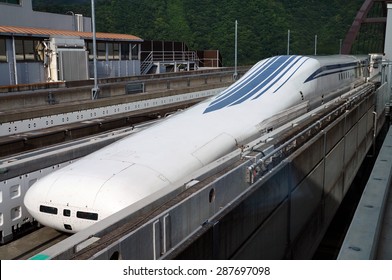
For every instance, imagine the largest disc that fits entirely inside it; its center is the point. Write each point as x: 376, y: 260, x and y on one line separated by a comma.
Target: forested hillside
x: 209, y: 24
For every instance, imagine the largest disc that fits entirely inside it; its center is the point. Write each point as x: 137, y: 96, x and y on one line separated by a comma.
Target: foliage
x: 209, y: 24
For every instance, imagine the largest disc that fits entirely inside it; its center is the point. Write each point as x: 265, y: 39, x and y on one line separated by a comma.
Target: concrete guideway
x: 369, y: 235
x: 29, y: 112
x: 276, y: 200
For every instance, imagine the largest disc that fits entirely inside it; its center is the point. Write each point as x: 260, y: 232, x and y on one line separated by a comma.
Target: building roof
x: 45, y: 32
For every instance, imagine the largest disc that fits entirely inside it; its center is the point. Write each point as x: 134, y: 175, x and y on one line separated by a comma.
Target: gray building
x: 20, y: 13
x: 37, y: 47
x: 40, y: 47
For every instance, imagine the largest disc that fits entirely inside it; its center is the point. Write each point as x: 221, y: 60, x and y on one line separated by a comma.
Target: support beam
x: 375, y: 20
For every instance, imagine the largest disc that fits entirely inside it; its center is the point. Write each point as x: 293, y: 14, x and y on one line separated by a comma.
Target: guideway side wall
x: 286, y: 213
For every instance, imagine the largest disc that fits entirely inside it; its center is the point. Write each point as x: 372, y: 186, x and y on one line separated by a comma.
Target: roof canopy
x: 44, y: 32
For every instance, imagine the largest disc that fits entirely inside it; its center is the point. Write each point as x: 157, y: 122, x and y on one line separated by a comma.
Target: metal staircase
x: 146, y: 65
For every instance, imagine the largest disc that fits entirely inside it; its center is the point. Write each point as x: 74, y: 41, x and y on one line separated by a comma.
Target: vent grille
x: 73, y: 65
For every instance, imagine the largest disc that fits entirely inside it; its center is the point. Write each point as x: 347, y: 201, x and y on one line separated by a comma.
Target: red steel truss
x: 360, y: 19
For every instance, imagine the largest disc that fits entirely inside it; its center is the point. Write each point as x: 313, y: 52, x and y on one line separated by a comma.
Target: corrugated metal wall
x: 4, y: 74
x: 30, y: 72
x: 111, y: 69
x: 73, y: 65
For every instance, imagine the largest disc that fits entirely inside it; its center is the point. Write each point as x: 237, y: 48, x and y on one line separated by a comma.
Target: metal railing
x: 167, y: 56
x: 146, y: 64
x: 210, y: 62
x: 277, y: 155
x: 171, y: 56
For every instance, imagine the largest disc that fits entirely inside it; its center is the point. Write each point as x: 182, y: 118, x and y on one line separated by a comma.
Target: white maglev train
x: 139, y: 165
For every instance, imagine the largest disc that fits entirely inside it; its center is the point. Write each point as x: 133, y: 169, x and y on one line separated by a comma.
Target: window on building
x: 113, y: 51
x: 101, y: 51
x: 124, y: 51
x: 110, y: 51
x: 3, y: 53
x: 15, y: 2
x: 19, y: 53
x: 135, y: 51
x: 27, y: 50
x: 89, y: 48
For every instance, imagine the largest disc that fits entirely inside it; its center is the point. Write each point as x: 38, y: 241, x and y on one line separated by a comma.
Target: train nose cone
x: 32, y: 200
x: 36, y: 204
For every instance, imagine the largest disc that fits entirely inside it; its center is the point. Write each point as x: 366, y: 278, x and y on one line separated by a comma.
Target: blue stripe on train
x: 239, y: 86
x: 298, y: 58
x: 328, y: 70
x: 279, y: 71
x: 291, y: 74
x: 263, y: 76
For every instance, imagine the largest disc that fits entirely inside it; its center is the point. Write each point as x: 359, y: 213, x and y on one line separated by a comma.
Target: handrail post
x: 95, y: 89
x: 235, y: 75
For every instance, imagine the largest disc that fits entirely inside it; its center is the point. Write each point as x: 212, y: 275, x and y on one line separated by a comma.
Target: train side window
x: 67, y: 212
x: 87, y: 215
x: 48, y: 209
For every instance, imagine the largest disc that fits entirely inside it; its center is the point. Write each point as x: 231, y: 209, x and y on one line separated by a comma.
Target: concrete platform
x: 370, y: 233
x: 31, y: 244
x: 384, y: 250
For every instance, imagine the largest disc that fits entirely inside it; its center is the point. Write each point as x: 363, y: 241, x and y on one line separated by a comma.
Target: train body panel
x: 137, y: 166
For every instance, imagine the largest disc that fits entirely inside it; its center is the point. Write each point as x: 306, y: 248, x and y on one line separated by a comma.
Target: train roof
x: 337, y: 59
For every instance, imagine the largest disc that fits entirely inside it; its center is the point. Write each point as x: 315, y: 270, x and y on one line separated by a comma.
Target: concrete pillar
x: 388, y: 34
